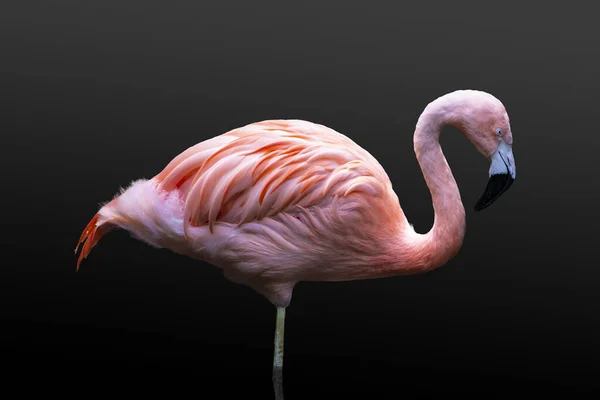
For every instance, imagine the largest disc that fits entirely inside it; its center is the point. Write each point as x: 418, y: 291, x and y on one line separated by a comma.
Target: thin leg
x: 278, y: 354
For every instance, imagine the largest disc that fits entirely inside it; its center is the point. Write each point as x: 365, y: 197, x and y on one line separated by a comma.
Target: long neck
x: 445, y: 238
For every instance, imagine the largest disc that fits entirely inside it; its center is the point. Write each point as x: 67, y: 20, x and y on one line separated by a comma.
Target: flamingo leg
x: 278, y: 354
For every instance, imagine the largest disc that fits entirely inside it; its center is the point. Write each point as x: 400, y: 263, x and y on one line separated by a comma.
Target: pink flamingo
x: 282, y: 201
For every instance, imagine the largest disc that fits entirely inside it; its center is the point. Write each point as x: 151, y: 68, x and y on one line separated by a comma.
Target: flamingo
x: 277, y: 202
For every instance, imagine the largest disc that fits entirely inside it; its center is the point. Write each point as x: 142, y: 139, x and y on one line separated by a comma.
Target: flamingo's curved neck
x: 445, y: 238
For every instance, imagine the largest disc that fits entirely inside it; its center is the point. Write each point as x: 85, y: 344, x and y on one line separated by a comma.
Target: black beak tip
x: 497, y: 185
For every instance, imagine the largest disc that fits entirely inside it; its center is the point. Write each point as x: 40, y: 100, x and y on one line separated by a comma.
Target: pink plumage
x: 278, y: 202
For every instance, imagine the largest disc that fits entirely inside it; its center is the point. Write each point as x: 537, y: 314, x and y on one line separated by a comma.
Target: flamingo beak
x: 502, y: 175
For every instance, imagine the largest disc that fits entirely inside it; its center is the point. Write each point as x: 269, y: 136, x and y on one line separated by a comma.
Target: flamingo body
x: 272, y: 203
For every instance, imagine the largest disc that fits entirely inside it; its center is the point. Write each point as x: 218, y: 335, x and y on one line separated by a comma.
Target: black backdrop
x: 95, y: 94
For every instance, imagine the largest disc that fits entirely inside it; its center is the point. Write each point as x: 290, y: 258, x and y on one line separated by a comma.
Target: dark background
x: 95, y: 94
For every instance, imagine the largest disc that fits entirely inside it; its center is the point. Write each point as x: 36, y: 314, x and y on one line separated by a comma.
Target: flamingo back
x: 270, y: 167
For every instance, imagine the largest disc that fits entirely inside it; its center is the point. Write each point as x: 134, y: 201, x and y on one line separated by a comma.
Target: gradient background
x: 95, y: 94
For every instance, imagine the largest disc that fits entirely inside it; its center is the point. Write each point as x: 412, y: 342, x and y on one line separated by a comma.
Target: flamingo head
x: 484, y: 120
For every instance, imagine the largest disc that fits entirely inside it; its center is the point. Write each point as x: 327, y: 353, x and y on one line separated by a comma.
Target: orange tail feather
x: 90, y: 236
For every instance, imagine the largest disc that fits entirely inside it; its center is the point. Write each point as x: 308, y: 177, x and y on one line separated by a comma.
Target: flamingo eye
x: 498, y: 131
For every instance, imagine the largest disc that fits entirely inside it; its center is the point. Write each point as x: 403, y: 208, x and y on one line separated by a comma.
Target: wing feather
x: 267, y: 168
